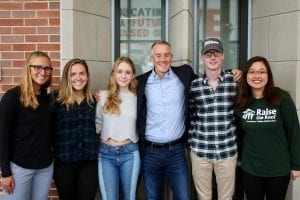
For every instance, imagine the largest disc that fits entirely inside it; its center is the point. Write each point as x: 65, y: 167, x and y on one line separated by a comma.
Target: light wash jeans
x: 118, y: 165
x: 30, y: 184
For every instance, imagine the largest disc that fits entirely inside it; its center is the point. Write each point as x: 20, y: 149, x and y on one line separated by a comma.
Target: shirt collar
x: 221, y: 77
x: 167, y: 75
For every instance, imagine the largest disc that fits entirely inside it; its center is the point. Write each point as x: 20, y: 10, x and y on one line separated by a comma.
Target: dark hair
x: 244, y: 94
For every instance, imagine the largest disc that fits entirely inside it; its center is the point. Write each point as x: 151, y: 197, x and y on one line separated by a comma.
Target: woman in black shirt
x: 25, y: 133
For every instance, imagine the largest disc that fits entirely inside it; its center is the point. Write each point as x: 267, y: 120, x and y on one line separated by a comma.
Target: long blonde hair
x: 66, y: 93
x: 27, y: 96
x: 112, y: 104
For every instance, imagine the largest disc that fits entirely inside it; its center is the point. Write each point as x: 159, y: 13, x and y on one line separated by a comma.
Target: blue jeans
x: 170, y: 162
x: 118, y: 165
x: 30, y: 184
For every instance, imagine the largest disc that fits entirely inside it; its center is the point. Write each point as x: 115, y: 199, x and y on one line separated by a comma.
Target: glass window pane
x: 140, y: 26
x: 219, y: 18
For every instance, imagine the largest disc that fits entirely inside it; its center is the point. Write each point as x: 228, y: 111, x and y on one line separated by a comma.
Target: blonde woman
x: 75, y: 164
x: 25, y: 133
x: 119, y: 159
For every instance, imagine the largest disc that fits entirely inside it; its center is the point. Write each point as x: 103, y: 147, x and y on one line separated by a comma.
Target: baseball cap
x: 211, y: 43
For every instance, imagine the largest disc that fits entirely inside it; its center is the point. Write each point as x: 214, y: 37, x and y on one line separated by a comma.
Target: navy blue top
x: 75, y: 132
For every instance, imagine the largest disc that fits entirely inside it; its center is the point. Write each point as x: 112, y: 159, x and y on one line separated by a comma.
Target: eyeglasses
x: 210, y: 53
x: 252, y: 73
x: 39, y: 68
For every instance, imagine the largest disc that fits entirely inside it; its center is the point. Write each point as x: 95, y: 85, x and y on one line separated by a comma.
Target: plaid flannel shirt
x: 212, y: 131
x: 75, y: 132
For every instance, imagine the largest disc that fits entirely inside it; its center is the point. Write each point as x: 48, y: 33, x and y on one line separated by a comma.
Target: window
x: 139, y: 24
x: 222, y: 19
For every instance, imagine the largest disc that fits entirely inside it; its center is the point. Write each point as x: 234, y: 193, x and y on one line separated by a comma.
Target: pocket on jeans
x: 103, y: 148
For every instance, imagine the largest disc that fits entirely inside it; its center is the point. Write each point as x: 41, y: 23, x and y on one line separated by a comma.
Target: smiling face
x: 79, y: 77
x: 40, y: 77
x: 212, y: 60
x: 162, y: 58
x: 123, y: 75
x: 257, y: 76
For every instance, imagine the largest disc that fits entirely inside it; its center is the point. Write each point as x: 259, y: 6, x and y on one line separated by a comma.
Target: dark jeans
x: 77, y: 180
x: 273, y: 188
x: 170, y: 162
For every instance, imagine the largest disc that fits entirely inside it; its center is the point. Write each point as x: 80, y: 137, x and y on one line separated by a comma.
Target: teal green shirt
x: 271, y: 143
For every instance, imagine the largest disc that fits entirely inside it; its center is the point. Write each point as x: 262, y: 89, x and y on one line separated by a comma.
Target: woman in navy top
x: 75, y: 164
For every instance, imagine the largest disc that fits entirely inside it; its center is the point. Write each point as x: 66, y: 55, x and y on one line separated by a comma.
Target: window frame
x: 243, y: 37
x: 116, y: 26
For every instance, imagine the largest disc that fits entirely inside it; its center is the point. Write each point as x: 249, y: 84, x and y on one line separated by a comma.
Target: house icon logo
x: 248, y: 114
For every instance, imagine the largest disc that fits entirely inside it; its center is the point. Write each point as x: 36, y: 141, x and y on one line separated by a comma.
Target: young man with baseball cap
x: 212, y: 138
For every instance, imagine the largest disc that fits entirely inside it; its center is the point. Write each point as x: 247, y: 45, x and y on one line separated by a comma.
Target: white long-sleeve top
x: 117, y: 127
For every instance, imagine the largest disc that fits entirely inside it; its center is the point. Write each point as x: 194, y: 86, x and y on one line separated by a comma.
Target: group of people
x: 36, y: 127
x: 144, y: 125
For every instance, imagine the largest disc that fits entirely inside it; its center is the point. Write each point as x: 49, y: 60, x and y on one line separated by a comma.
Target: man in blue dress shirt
x: 162, y: 121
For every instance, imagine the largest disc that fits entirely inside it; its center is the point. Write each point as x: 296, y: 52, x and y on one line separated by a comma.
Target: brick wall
x: 26, y: 26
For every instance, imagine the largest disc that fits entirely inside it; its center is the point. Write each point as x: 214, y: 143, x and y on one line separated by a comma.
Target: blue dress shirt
x: 165, y: 108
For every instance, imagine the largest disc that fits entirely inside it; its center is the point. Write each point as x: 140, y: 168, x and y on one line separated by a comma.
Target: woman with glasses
x: 75, y: 146
x: 25, y: 133
x: 271, y: 133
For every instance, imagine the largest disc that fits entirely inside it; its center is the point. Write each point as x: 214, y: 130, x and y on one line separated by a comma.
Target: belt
x: 164, y: 145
